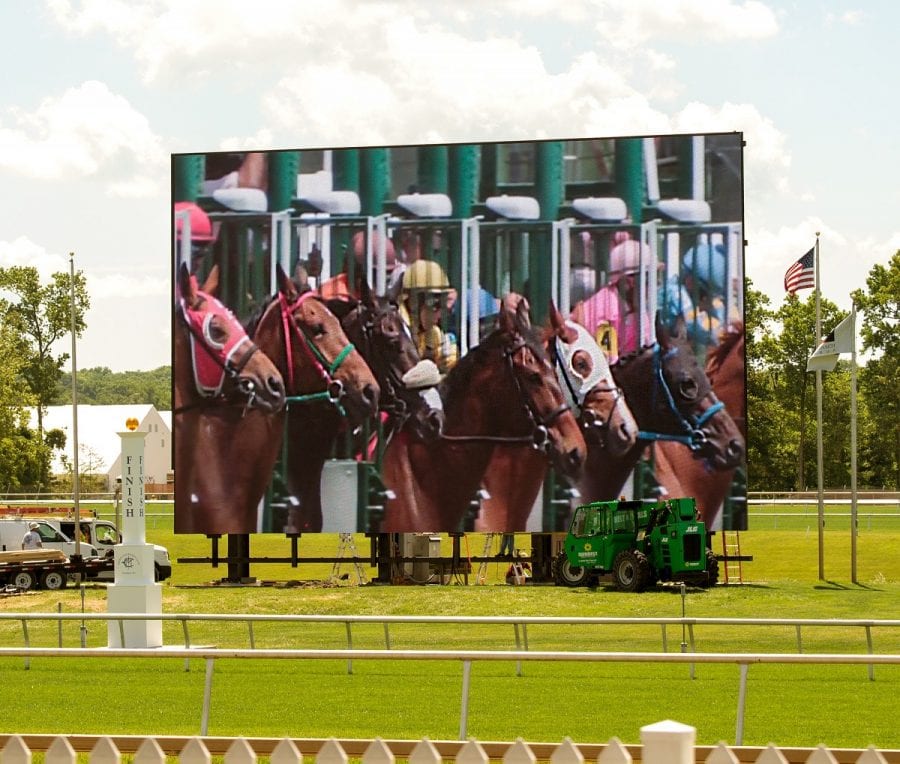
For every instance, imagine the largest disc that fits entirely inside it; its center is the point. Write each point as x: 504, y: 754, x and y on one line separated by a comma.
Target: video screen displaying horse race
x: 452, y: 338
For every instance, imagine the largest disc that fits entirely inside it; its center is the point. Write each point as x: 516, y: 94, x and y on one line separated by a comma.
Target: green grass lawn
x: 791, y: 705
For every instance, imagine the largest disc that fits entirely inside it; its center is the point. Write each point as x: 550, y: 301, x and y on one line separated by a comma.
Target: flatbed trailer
x: 47, y: 568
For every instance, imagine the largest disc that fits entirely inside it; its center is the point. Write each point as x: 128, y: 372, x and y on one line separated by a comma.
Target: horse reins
x: 231, y: 370
x: 335, y: 389
x: 694, y: 437
x: 540, y: 435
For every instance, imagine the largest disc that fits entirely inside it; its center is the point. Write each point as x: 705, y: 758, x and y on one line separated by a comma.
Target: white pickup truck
x: 13, y: 530
x: 103, y: 535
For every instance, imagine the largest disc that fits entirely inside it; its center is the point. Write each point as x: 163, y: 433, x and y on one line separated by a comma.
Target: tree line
x: 781, y: 406
x: 781, y: 397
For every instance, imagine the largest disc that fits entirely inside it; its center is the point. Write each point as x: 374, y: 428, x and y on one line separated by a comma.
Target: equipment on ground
x: 638, y: 543
x: 47, y: 568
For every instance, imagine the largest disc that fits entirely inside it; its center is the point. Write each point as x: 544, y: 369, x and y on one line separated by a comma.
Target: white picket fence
x: 665, y: 742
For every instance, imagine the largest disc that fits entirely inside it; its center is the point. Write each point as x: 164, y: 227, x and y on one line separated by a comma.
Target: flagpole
x: 854, y: 529
x: 76, y: 483
x: 819, y: 459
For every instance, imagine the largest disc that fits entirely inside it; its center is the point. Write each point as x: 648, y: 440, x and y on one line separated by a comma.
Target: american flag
x: 802, y: 274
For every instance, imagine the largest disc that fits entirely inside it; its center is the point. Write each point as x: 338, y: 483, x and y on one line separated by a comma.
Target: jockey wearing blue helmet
x: 696, y: 294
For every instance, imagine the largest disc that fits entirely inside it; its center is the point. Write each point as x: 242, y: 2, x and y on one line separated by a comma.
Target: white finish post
x: 668, y: 742
x: 464, y: 710
x: 134, y: 590
x: 854, y: 495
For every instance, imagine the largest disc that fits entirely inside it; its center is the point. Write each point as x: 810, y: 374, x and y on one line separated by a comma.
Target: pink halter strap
x: 290, y: 327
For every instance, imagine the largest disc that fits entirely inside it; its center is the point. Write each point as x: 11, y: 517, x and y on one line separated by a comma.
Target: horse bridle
x: 334, y: 391
x: 390, y: 380
x: 691, y: 424
x: 540, y: 434
x: 589, y: 419
x: 230, y: 365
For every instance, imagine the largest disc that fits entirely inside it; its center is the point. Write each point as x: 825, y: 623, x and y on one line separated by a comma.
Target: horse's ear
x: 556, y: 318
x: 662, y: 333
x: 668, y: 337
x: 365, y: 291
x: 285, y: 285
x: 560, y: 328
x: 523, y: 315
x: 211, y: 285
x: 301, y: 278
x: 507, y: 317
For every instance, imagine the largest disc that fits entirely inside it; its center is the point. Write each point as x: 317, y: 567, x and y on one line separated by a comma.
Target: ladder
x: 518, y: 573
x: 347, y: 548
x: 731, y: 550
x: 481, y: 576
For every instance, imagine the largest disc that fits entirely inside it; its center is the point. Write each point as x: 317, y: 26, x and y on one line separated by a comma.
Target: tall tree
x: 784, y: 357
x: 41, y: 315
x: 879, y: 304
x: 23, y: 460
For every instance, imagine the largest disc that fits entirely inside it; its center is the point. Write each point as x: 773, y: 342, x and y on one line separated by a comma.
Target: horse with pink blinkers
x: 227, y: 398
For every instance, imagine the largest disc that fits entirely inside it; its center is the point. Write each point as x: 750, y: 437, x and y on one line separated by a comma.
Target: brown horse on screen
x: 322, y: 368
x: 672, y: 400
x: 374, y: 325
x: 228, y: 402
x: 516, y: 473
x: 677, y: 469
x: 503, y: 391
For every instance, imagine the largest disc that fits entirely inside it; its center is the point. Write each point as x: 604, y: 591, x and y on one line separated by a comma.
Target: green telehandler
x: 638, y: 543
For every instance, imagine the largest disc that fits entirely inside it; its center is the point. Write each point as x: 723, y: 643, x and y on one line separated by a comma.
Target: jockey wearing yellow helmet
x: 426, y: 294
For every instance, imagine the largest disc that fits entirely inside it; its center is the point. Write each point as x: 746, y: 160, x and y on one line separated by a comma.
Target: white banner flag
x: 840, y: 340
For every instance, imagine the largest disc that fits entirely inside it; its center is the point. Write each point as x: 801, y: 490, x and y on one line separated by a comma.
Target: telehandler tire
x: 569, y: 575
x: 631, y: 571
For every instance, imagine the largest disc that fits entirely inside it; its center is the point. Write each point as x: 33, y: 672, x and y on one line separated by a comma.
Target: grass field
x: 791, y: 705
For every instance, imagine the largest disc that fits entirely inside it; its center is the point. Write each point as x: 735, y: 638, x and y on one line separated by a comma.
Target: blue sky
x: 98, y: 93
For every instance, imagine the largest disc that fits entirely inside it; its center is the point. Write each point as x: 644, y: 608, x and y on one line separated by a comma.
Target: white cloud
x: 119, y: 286
x: 629, y: 23
x: 24, y: 252
x: 848, y: 17
x: 197, y: 40
x: 87, y: 131
x: 767, y: 160
x: 117, y: 339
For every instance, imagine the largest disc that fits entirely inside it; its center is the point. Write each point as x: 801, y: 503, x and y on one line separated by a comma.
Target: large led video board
x: 446, y: 338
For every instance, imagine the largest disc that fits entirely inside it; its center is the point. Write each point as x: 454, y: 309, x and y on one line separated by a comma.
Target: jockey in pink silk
x: 611, y: 314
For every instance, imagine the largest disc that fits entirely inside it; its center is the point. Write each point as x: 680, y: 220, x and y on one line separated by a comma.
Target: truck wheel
x: 712, y: 571
x: 54, y: 579
x: 156, y: 573
x: 568, y: 574
x: 24, y: 579
x: 631, y: 571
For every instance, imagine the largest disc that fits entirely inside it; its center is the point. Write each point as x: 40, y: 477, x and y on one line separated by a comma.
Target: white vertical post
x: 76, y: 480
x: 668, y: 742
x: 133, y: 509
x: 134, y: 590
x: 820, y: 469
x: 464, y: 710
x: 742, y: 704
x: 853, y: 492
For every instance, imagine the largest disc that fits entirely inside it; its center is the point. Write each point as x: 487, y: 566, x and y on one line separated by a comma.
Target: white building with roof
x: 100, y: 447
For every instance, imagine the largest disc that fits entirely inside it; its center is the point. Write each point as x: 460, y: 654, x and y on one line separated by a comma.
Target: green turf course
x: 790, y: 705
